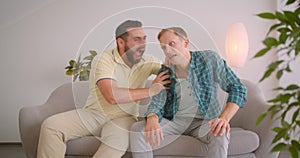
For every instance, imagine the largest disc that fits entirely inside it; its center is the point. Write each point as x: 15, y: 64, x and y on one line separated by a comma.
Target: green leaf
x: 290, y: 2
x: 285, y: 124
x: 72, y: 63
x: 298, y: 97
x: 271, y: 69
x: 279, y: 74
x: 295, y: 115
x: 92, y: 52
x: 292, y: 87
x: 274, y: 107
x: 297, y: 11
x: 90, y: 57
x: 281, y: 17
x: 84, y: 76
x: 280, y: 135
x: 279, y: 147
x: 270, y: 42
x: 260, y: 118
x: 274, y: 112
x: 267, y: 74
x: 290, y: 106
x: 295, y: 33
x: 262, y: 52
x: 275, y: 100
x: 283, y: 37
x: 277, y: 129
x: 267, y: 15
x: 275, y: 64
x: 69, y: 67
x: 291, y: 16
x: 278, y: 88
x: 273, y: 27
x: 297, y: 49
x: 298, y: 124
x: 284, y: 29
x: 293, y: 152
x: 296, y: 144
x: 284, y: 98
x: 288, y: 69
x: 69, y: 72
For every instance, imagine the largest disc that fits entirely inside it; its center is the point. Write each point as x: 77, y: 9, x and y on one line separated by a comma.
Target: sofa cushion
x: 241, y: 142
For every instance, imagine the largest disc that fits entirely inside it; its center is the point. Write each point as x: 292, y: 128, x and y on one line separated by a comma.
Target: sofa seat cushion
x: 241, y: 142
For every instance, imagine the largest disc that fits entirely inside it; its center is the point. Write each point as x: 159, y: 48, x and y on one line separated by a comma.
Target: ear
x: 186, y: 43
x: 121, y: 42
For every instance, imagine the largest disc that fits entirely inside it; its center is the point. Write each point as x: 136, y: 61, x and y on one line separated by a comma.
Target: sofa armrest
x: 31, y: 117
x: 246, y: 118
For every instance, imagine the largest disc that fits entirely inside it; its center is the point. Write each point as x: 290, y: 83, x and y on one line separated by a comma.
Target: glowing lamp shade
x: 236, y: 45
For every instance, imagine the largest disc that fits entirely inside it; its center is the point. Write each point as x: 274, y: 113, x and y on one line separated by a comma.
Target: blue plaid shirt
x: 207, y: 71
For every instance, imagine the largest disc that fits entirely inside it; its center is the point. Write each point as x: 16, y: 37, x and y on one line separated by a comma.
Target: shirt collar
x: 192, y: 65
x: 117, y: 57
x: 192, y: 62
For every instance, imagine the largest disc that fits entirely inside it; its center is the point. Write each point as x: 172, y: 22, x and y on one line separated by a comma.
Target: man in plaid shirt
x: 189, y: 105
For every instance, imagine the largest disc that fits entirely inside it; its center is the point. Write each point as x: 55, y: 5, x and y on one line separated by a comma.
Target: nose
x: 168, y: 50
x: 142, y: 41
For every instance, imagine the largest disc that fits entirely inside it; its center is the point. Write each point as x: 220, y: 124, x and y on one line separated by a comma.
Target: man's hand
x: 159, y: 82
x: 219, y: 126
x: 153, y: 130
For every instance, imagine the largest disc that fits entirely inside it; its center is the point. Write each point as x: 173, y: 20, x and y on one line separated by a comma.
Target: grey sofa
x: 247, y: 140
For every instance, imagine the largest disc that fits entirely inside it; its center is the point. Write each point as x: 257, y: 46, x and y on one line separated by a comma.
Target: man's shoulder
x: 104, y: 58
x: 106, y: 55
x: 206, y: 54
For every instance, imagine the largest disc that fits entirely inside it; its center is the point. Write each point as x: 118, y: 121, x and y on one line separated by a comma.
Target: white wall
x: 37, y: 39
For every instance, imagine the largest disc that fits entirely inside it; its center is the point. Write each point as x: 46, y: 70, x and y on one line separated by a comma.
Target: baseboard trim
x: 10, y: 143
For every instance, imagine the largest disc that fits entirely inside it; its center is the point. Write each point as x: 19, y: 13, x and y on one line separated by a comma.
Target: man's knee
x: 115, y: 136
x: 118, y: 142
x: 49, y: 123
x: 221, y: 140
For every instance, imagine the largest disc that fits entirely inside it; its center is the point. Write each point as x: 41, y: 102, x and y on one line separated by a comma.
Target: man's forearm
x: 229, y: 111
x: 124, y: 95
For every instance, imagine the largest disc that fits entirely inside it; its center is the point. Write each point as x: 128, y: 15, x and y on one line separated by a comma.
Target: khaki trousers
x: 58, y: 129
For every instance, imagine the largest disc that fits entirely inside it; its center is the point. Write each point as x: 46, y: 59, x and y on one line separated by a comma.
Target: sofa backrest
x: 80, y: 94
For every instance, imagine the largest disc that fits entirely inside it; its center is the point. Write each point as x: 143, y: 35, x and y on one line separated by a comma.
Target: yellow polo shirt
x: 109, y: 65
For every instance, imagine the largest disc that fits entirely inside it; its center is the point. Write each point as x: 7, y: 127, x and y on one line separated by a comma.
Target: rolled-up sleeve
x: 157, y: 105
x: 229, y: 82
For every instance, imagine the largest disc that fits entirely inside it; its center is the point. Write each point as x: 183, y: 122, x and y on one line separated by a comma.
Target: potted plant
x: 287, y: 102
x: 80, y: 69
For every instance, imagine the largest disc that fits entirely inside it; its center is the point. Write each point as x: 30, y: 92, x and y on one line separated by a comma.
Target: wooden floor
x: 11, y: 150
